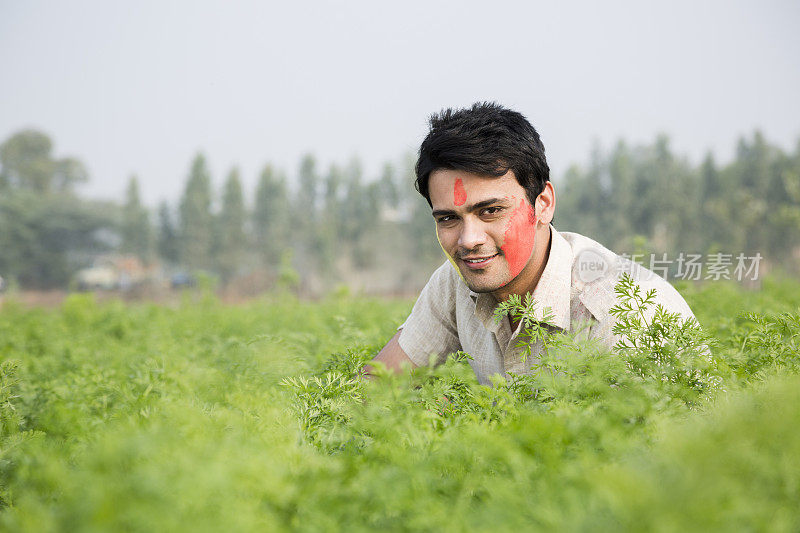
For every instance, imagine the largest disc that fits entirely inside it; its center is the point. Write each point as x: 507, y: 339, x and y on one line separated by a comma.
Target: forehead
x: 442, y: 184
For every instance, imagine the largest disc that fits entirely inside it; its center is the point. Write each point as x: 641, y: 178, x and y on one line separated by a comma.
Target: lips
x: 478, y: 262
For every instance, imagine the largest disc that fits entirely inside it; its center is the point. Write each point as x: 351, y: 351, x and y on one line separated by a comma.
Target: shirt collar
x: 552, y: 290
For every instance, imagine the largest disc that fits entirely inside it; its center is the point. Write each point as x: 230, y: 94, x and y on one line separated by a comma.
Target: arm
x: 393, y: 356
x: 429, y: 329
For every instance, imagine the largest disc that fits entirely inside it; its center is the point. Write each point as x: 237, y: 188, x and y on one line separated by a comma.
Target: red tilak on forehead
x: 519, y: 238
x: 459, y: 194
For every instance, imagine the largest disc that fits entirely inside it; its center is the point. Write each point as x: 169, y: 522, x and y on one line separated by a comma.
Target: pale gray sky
x: 140, y: 87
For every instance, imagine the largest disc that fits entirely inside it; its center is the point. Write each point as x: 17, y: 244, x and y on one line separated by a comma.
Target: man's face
x: 486, y: 225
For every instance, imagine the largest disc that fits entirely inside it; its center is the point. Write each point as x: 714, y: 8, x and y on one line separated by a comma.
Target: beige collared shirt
x: 577, y: 284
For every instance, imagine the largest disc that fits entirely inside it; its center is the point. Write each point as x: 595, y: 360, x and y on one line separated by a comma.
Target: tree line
x: 331, y: 227
x: 648, y: 197
x: 334, y: 225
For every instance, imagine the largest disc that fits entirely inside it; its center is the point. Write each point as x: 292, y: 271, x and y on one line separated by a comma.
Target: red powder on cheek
x: 519, y: 237
x: 459, y: 194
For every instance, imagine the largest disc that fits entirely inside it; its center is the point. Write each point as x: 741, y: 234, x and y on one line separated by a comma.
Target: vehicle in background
x: 95, y: 278
x: 113, y: 272
x: 182, y: 280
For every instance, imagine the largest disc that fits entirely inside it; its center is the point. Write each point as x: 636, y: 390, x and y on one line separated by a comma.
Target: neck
x: 527, y: 280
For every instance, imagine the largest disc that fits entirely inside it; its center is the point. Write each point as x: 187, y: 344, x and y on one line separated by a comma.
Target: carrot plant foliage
x: 206, y: 417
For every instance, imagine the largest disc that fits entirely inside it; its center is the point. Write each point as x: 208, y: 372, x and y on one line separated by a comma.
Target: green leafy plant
x: 534, y: 329
x: 658, y: 355
x: 663, y: 346
x: 768, y: 342
x: 154, y: 418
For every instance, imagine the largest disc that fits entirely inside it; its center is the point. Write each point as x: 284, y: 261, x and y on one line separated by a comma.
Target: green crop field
x: 206, y: 417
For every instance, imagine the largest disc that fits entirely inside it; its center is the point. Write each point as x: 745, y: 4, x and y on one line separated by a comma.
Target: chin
x: 483, y: 285
x: 482, y: 289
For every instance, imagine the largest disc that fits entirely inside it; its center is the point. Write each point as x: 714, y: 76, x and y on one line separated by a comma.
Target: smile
x: 478, y: 262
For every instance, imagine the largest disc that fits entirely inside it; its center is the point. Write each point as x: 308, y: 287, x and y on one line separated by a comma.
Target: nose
x: 472, y: 234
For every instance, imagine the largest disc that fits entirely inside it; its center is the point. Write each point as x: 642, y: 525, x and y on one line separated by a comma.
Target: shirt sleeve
x: 431, y: 327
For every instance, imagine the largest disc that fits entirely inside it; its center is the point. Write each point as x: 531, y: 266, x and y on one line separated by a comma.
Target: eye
x: 445, y: 219
x: 489, y: 211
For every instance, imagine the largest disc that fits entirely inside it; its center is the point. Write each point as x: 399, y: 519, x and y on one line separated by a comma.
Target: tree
x: 196, y: 218
x: 592, y: 197
x: 46, y: 233
x: 782, y: 195
x: 137, y: 237
x: 68, y: 172
x: 305, y: 223
x: 168, y: 242
x: 28, y: 164
x: 747, y: 181
x: 306, y: 201
x: 330, y: 224
x: 389, y: 189
x: 231, y: 222
x: 622, y: 199
x: 331, y: 209
x: 353, y: 221
x: 713, y: 210
x: 308, y: 191
x: 368, y: 208
x: 44, y: 239
x: 270, y: 216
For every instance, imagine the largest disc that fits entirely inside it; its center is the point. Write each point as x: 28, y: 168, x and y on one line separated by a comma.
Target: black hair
x: 486, y: 139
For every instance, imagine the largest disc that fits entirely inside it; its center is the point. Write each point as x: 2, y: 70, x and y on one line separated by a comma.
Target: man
x: 484, y: 173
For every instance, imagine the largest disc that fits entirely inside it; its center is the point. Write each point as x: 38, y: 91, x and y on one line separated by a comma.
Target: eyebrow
x: 473, y: 207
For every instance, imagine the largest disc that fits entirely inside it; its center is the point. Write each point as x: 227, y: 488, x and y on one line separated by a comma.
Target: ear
x: 546, y: 204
